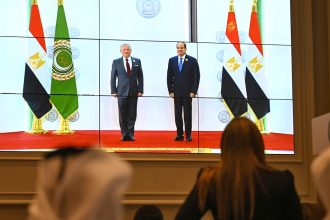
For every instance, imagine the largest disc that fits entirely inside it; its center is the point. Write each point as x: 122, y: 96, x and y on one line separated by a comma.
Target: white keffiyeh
x: 90, y: 188
x: 321, y: 174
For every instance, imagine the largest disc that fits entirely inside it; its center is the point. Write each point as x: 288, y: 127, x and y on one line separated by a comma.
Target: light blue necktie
x: 180, y: 64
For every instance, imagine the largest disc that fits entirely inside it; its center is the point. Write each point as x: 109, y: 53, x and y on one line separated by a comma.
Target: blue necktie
x: 180, y: 64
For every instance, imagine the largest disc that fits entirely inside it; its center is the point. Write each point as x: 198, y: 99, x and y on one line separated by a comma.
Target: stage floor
x: 146, y: 141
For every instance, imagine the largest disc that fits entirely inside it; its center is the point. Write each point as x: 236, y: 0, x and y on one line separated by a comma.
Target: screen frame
x: 299, y: 102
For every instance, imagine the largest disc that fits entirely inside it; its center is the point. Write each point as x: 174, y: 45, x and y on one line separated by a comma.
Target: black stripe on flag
x: 232, y: 95
x: 257, y: 99
x: 35, y: 94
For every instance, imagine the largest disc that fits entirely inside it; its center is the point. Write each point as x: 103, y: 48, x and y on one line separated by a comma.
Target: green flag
x: 63, y: 86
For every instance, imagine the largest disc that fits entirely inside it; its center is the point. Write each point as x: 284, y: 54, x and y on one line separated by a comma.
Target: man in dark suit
x: 182, y: 83
x: 128, y: 71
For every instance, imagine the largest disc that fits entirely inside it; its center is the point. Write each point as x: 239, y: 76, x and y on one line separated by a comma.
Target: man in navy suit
x: 128, y: 71
x: 182, y: 83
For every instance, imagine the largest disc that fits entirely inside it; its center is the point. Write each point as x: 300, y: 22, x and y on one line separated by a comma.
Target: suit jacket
x: 127, y: 84
x: 184, y: 82
x: 279, y: 202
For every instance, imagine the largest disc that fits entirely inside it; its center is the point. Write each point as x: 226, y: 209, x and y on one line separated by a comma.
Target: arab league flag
x: 34, y: 92
x: 232, y: 83
x: 255, y: 78
x: 63, y: 86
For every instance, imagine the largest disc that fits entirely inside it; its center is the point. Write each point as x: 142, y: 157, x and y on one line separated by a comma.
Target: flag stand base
x: 37, y: 126
x: 64, y: 127
x: 38, y: 131
x: 261, y: 126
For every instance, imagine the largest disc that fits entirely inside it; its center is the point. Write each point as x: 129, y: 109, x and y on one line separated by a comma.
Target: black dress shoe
x: 131, y: 138
x: 124, y: 138
x: 178, y: 138
x: 189, y: 138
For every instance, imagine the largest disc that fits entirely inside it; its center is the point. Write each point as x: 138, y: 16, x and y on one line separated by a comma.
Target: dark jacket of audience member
x: 77, y: 184
x: 242, y: 186
x: 148, y: 212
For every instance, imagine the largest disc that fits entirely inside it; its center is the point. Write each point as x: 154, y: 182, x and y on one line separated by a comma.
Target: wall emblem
x: 148, y: 8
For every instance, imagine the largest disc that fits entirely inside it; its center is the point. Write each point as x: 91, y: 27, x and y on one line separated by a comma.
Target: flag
x: 231, y: 28
x: 232, y: 83
x: 34, y: 92
x: 255, y: 79
x: 63, y: 86
x: 232, y: 95
x: 257, y: 99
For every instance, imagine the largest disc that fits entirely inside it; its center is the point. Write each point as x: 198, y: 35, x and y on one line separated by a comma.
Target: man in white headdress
x: 79, y: 184
x: 321, y: 174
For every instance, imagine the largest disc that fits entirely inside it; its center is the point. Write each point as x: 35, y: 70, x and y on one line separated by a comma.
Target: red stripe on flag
x: 232, y: 31
x: 254, y: 31
x: 36, y: 28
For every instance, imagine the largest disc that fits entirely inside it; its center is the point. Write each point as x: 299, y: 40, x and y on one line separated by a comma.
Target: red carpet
x: 146, y: 141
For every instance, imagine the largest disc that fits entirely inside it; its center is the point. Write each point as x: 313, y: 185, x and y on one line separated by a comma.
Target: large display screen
x: 242, y: 47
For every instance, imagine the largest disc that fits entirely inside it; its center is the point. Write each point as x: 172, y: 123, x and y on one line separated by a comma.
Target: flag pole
x: 29, y: 114
x: 36, y: 124
x: 261, y: 123
x: 64, y: 123
x: 66, y: 106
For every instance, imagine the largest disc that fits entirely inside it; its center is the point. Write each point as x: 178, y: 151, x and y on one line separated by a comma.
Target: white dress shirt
x: 129, y: 61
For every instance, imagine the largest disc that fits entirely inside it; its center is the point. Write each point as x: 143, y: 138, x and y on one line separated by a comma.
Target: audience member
x: 80, y: 184
x: 312, y: 211
x: 242, y: 186
x: 148, y: 212
x: 321, y: 174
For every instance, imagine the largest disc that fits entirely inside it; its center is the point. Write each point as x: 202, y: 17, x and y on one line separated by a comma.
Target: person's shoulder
x: 117, y: 59
x: 173, y: 58
x: 277, y: 173
x: 321, y: 162
x: 276, y: 182
x: 134, y: 59
x: 285, y: 177
x: 191, y: 58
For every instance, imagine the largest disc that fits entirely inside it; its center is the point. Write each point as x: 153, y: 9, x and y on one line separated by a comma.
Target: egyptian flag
x: 232, y: 95
x: 63, y: 85
x: 36, y: 75
x: 232, y: 83
x: 255, y: 78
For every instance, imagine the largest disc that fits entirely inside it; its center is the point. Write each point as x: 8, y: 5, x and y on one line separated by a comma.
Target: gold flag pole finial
x: 254, y: 6
x: 231, y: 6
x: 60, y: 2
x: 34, y: 2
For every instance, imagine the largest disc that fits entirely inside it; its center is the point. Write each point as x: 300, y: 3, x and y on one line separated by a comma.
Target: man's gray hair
x: 123, y: 45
